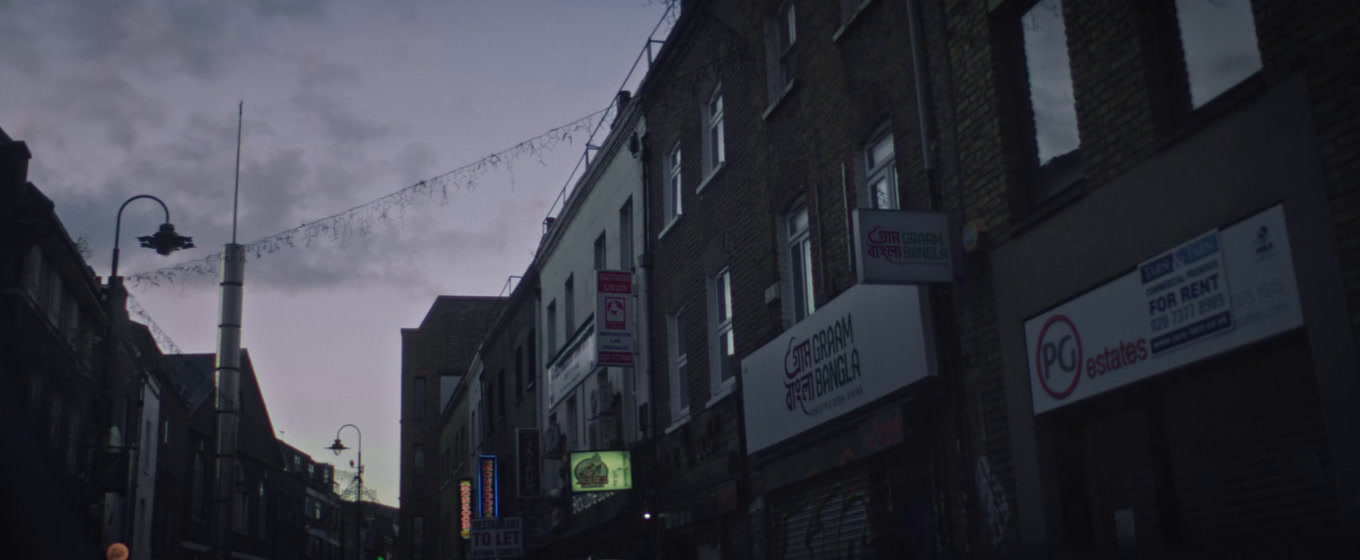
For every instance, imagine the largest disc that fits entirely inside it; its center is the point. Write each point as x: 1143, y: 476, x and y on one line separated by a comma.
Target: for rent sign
x: 1125, y: 330
x: 868, y: 342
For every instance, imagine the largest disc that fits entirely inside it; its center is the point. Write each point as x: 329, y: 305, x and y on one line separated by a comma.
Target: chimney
x: 622, y: 99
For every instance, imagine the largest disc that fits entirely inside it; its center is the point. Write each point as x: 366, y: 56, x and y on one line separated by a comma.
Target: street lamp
x: 337, y: 447
x: 164, y: 241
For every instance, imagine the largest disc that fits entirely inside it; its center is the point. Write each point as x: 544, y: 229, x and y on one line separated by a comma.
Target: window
x: 880, y: 172
x: 626, y: 235
x: 519, y: 373
x: 500, y: 381
x: 800, y: 259
x: 297, y: 463
x: 165, y: 431
x: 572, y: 413
x: 419, y: 460
x: 418, y: 398
x: 241, y: 519
x: 552, y: 329
x: 1219, y: 41
x: 196, y: 493
x: 569, y: 306
x: 673, y: 188
x: 714, y: 144
x: 679, y: 368
x: 33, y: 276
x: 780, y: 36
x: 533, y: 366
x: 599, y: 252
x: 54, y: 427
x: 418, y: 539
x: 73, y: 441
x: 54, y: 298
x: 1052, y: 103
x: 311, y: 470
x: 724, y: 339
x: 264, y: 513
x: 489, y: 404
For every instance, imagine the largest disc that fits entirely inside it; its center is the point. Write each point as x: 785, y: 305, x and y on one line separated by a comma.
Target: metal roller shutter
x: 824, y: 518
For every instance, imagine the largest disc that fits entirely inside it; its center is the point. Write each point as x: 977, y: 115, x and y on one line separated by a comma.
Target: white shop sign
x: 497, y: 538
x: 901, y: 247
x: 868, y: 342
x: 570, y: 369
x: 1117, y: 334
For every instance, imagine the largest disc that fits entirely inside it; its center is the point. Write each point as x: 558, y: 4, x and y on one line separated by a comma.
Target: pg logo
x: 1058, y: 357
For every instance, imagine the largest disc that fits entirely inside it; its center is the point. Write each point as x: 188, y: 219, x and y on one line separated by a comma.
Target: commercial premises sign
x: 868, y: 342
x: 901, y: 247
x: 601, y: 471
x: 1214, y: 293
x: 614, y: 318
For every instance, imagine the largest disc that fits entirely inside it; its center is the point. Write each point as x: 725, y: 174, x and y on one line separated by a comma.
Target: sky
x: 345, y: 102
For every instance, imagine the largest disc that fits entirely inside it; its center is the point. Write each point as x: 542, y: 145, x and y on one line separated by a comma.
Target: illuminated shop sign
x: 489, y: 485
x: 465, y: 507
x: 601, y: 471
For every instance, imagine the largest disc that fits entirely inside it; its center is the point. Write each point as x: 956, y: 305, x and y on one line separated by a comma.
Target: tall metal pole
x: 359, y: 480
x: 228, y: 382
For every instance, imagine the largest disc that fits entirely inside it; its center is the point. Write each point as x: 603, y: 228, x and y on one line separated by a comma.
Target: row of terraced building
x: 929, y: 278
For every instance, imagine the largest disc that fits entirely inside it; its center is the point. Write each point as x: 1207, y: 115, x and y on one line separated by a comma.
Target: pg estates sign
x: 497, y: 538
x: 868, y: 342
x: 1175, y: 309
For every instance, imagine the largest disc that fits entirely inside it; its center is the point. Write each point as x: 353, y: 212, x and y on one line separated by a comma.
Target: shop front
x: 1174, y: 374
x: 835, y: 412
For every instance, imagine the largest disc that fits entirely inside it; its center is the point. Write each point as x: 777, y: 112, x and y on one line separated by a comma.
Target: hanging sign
x: 465, y: 507
x: 487, y: 473
x: 526, y: 442
x: 601, y: 471
x: 901, y: 247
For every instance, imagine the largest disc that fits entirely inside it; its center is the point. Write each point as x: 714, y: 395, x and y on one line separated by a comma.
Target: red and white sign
x: 1103, y: 339
x: 614, y: 318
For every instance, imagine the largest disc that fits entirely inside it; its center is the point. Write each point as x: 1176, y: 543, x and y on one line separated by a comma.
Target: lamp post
x: 337, y: 447
x: 164, y: 241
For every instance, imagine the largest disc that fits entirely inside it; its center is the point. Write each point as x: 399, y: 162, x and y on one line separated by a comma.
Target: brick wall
x: 444, y: 343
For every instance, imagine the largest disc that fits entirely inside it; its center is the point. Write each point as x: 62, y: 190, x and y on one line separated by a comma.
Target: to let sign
x: 497, y: 538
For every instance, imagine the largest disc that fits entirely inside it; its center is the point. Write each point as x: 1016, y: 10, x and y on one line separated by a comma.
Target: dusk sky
x: 345, y: 102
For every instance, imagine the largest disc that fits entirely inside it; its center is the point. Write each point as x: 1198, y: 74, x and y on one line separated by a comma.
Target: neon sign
x: 465, y: 507
x: 489, y: 485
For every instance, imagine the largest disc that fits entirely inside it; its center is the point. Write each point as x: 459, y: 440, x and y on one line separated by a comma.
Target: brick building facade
x: 442, y: 346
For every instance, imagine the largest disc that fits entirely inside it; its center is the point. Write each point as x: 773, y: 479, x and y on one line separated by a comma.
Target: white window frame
x: 783, y: 30
x: 715, y: 137
x: 721, y: 334
x: 674, y: 185
x: 679, y: 370
x: 881, y: 171
x: 801, y: 277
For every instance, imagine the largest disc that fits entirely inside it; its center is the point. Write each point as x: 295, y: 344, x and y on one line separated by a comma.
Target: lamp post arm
x: 118, y: 228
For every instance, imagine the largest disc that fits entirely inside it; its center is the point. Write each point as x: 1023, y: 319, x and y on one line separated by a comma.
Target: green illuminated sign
x: 601, y: 471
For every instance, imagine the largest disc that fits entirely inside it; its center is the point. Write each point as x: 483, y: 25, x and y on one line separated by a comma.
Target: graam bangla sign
x: 1175, y: 309
x: 901, y: 247
x: 868, y: 342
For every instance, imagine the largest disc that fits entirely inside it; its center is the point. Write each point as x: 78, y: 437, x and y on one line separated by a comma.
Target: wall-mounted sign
x: 465, y: 507
x: 1186, y: 293
x: 869, y: 341
x: 486, y: 474
x: 497, y: 538
x: 601, y: 471
x: 900, y: 247
x: 527, y: 461
x: 1126, y: 330
x: 614, y: 317
x: 570, y: 369
x: 586, y: 500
